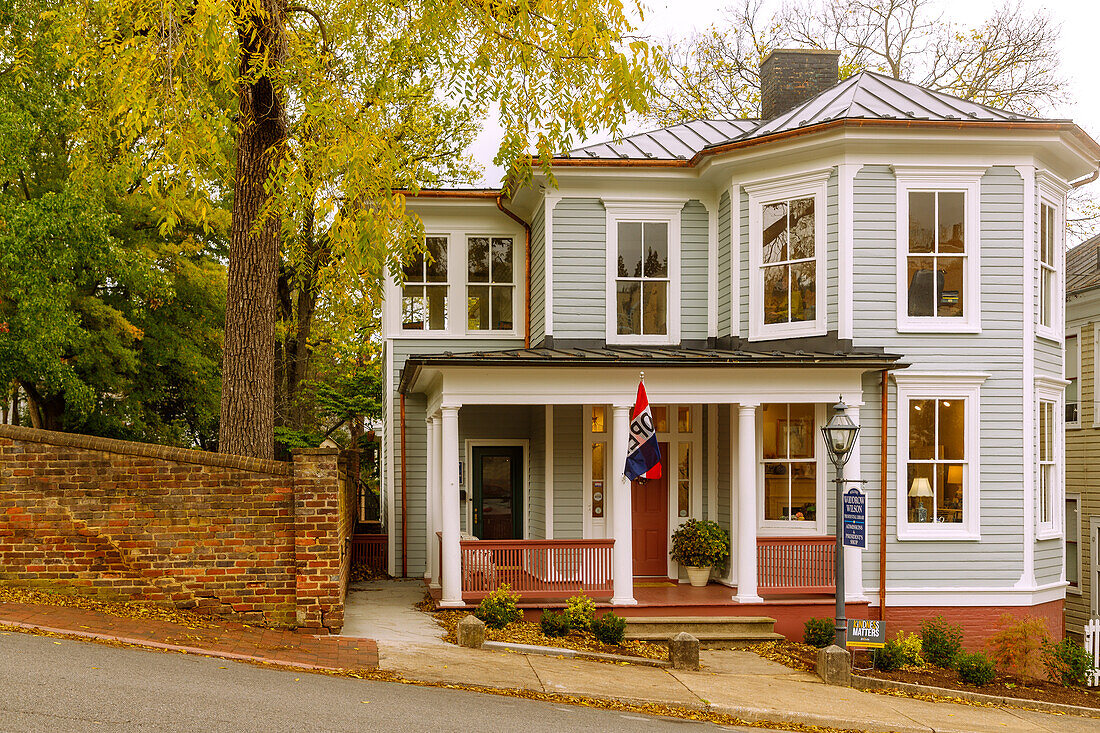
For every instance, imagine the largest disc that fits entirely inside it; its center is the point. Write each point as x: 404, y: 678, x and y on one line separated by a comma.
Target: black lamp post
x: 840, y: 436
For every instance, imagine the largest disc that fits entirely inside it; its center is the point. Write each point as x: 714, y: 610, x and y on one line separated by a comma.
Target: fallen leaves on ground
x: 361, y: 572
x: 788, y: 653
x: 124, y: 609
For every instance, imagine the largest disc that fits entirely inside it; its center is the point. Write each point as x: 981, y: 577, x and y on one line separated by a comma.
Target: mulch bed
x: 1001, y: 686
x: 529, y: 632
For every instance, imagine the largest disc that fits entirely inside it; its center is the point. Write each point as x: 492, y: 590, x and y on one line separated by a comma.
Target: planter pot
x: 698, y: 576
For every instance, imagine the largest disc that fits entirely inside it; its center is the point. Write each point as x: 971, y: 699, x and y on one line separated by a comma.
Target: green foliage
x: 974, y: 669
x: 554, y: 623
x: 1067, y: 662
x: 890, y: 657
x: 910, y: 645
x: 498, y: 609
x: 1017, y: 647
x: 819, y: 632
x: 609, y: 628
x: 940, y: 641
x: 580, y: 610
x: 700, y: 543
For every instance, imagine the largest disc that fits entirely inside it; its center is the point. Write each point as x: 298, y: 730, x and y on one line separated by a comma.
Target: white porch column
x: 853, y: 556
x: 430, y: 459
x: 452, y: 562
x: 746, y: 505
x: 621, y: 507
x: 437, y: 493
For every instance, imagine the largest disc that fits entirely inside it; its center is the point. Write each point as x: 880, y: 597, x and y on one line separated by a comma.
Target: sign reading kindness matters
x: 866, y: 633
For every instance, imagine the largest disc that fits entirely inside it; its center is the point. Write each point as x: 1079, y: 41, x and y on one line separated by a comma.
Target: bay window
x: 424, y: 293
x: 1048, y: 273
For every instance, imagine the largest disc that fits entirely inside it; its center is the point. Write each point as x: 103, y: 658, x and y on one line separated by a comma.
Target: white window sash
x: 1053, y: 471
x: 786, y: 527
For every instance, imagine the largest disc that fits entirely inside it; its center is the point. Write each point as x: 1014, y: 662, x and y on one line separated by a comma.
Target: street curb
x: 552, y: 651
x: 170, y: 647
x: 874, y: 683
x: 771, y: 715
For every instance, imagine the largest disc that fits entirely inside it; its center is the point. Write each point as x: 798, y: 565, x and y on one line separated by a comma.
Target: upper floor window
x: 1073, y: 369
x: 1048, y: 279
x: 424, y: 294
x: 938, y: 251
x: 490, y: 283
x: 641, y: 279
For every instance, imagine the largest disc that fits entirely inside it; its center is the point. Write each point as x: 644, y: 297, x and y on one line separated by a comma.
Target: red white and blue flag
x: 643, y: 455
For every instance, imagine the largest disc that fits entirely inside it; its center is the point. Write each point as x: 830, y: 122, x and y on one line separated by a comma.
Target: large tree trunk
x: 248, y: 368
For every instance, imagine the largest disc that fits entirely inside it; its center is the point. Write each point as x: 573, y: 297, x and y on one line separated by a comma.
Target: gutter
x: 1087, y: 179
x: 526, y: 271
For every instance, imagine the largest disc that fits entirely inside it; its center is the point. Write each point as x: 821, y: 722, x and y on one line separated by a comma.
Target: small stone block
x: 471, y: 632
x: 683, y: 651
x: 834, y: 666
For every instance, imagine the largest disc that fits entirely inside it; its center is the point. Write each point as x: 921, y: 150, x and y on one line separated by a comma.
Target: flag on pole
x: 643, y: 455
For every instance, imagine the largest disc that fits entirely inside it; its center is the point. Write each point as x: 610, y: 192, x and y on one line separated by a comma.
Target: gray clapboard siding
x: 694, y: 271
x: 832, y: 248
x: 725, y: 317
x: 724, y: 484
x: 1048, y: 561
x: 870, y: 436
x: 580, y: 264
x: 704, y: 455
x: 741, y: 264
x: 538, y: 275
x: 568, y: 472
x: 536, y: 502
x: 997, y: 351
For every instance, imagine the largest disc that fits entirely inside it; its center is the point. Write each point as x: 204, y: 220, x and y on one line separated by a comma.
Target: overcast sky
x: 1080, y: 20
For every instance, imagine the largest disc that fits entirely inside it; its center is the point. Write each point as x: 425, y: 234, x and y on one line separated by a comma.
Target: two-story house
x: 868, y: 240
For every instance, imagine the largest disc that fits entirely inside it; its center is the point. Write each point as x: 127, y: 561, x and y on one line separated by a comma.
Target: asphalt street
x: 59, y: 685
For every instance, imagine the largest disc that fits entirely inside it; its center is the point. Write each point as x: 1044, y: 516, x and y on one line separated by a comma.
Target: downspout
x: 526, y: 271
x: 1087, y: 179
x: 404, y: 499
x: 883, y: 434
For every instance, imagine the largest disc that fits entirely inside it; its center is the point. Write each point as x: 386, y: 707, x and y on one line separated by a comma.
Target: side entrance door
x: 650, y: 522
x: 498, y: 492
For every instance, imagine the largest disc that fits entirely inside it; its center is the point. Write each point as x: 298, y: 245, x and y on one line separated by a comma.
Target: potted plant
x: 699, y: 546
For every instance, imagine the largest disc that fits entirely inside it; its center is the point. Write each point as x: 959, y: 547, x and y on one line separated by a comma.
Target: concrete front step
x: 709, y: 630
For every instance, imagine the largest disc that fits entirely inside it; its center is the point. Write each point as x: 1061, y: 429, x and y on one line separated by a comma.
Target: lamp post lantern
x: 840, y: 436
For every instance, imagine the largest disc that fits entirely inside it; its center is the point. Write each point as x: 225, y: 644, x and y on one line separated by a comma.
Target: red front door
x: 650, y: 522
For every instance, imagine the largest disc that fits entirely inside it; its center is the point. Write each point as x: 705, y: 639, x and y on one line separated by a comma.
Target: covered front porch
x: 524, y: 483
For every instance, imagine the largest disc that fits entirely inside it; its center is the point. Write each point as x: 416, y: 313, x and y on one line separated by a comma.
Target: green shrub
x: 819, y: 632
x: 580, y: 610
x: 911, y: 648
x: 974, y: 669
x: 609, y: 628
x: 554, y: 623
x: 498, y: 609
x: 700, y: 543
x: 1017, y: 647
x: 889, y: 657
x: 1068, y: 662
x: 940, y: 641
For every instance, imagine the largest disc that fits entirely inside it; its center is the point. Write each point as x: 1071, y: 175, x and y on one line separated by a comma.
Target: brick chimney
x: 790, y: 76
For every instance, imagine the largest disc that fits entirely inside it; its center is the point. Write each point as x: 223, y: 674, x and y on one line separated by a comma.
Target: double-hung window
x: 938, y: 461
x: 1073, y: 542
x: 1048, y: 264
x: 490, y: 284
x: 938, y: 251
x: 1073, y: 372
x: 424, y: 293
x: 1048, y: 463
x: 1049, y: 450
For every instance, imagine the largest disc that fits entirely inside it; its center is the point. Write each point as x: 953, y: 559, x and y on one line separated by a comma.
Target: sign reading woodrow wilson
x: 866, y: 633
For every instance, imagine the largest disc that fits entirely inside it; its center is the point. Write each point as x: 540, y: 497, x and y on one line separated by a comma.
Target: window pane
x: 502, y: 308
x: 773, y: 446
x: 1073, y: 564
x: 802, y: 229
x: 950, y: 285
x: 1071, y: 359
x: 803, y: 491
x: 775, y: 232
x: 412, y: 307
x: 478, y: 308
x: 502, y: 260
x: 656, y: 249
x: 922, y: 285
x: 921, y: 492
x: 655, y: 307
x: 803, y: 292
x: 437, y: 251
x: 800, y: 431
x: 922, y: 429
x: 1046, y: 300
x: 1046, y: 430
x: 414, y: 269
x: 949, y: 493
x: 922, y: 221
x: 683, y: 493
x: 776, y: 491
x: 951, y: 218
x: 597, y: 462
x: 437, y: 307
x: 630, y: 249
x: 628, y: 308
x: 660, y: 417
x: 683, y: 419
x: 1046, y: 479
x: 775, y: 294
x: 598, y: 490
x: 1046, y: 235
x: 598, y: 425
x: 952, y: 446
x: 478, y: 260
x: 1072, y: 534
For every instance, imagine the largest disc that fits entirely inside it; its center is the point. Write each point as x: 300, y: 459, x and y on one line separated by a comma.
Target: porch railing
x: 788, y: 565
x: 537, y: 569
x: 369, y: 550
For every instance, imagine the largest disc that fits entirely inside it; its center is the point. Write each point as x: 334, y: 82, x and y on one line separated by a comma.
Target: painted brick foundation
x: 978, y: 622
x: 226, y: 534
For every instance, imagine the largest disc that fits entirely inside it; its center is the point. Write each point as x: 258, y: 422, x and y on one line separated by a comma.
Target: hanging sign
x: 855, y: 518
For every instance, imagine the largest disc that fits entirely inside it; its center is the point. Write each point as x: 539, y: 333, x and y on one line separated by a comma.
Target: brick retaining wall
x: 226, y: 534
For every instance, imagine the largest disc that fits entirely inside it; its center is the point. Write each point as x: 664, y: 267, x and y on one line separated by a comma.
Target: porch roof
x: 648, y: 357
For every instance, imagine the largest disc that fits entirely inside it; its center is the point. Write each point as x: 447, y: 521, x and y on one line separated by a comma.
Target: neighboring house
x: 1082, y: 511
x: 863, y: 232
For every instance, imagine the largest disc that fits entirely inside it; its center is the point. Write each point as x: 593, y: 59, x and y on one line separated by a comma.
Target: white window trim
x: 593, y: 527
x: 1057, y: 303
x: 966, y: 179
x: 929, y: 385
x: 1075, y: 589
x: 660, y: 211
x: 1050, y: 390
x: 783, y: 527
x: 812, y: 184
x: 517, y: 292
x: 449, y: 284
x: 1076, y: 425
